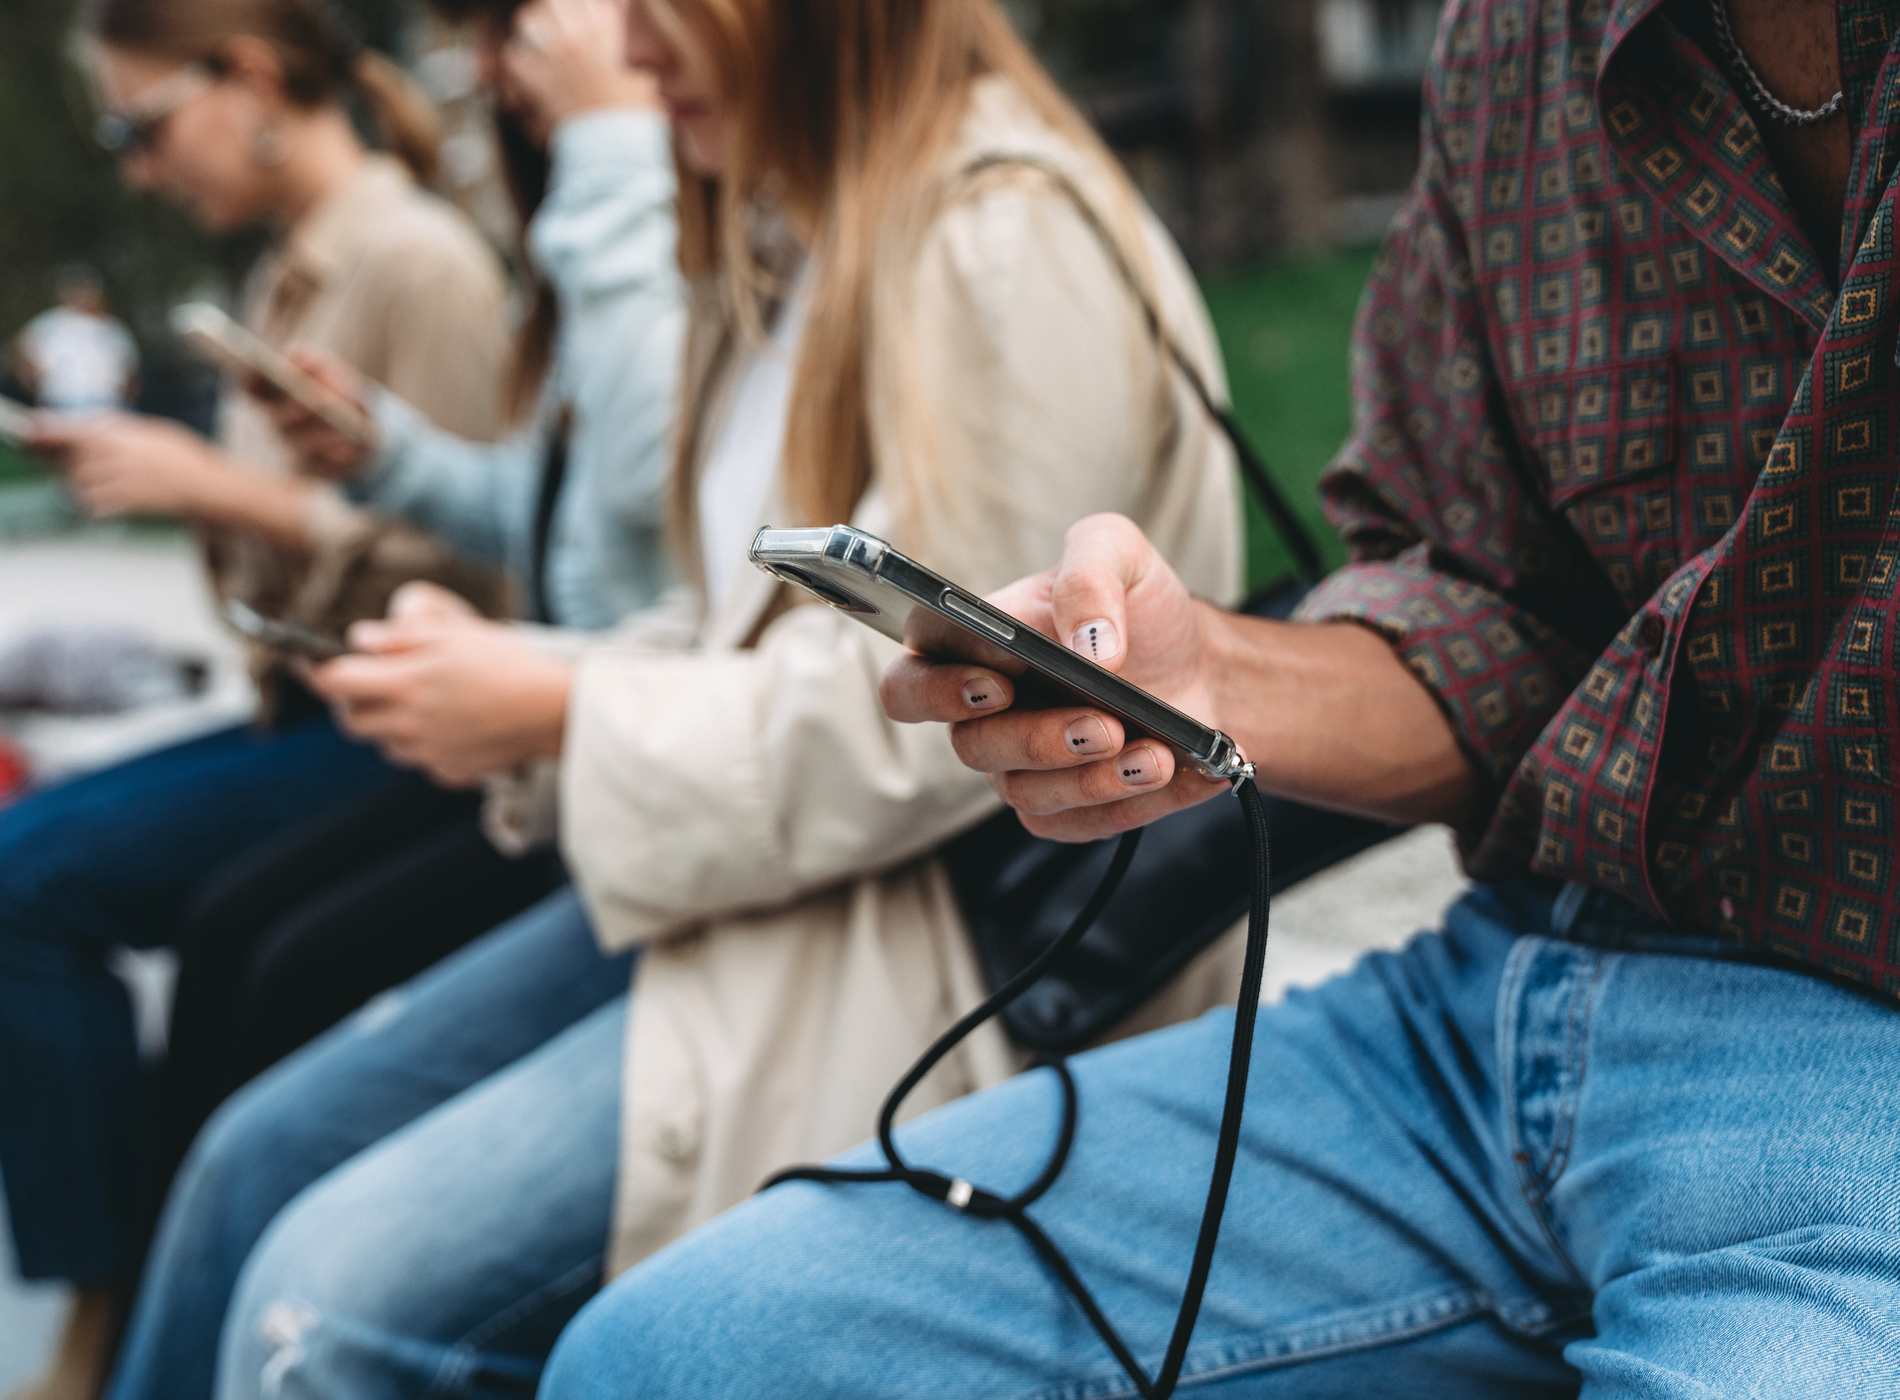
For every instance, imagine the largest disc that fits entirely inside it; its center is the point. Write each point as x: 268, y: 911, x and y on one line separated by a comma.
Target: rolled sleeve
x: 1497, y: 672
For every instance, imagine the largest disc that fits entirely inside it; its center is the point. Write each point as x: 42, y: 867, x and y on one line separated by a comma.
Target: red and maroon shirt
x: 1622, y: 487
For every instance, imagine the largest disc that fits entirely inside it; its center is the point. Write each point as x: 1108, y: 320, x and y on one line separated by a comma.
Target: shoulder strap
x: 1292, y: 532
x: 554, y: 465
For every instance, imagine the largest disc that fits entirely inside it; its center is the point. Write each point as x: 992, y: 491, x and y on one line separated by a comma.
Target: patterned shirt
x: 1622, y: 485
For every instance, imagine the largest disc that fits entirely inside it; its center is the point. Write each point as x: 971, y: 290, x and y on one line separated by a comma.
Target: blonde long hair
x: 322, y: 58
x: 843, y: 116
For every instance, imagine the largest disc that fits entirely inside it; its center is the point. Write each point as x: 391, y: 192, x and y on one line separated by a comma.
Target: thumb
x: 421, y: 601
x: 389, y: 638
x: 1103, y: 559
x: 330, y: 372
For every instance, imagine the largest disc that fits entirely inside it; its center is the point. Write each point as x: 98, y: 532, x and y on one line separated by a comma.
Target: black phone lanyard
x: 972, y: 1200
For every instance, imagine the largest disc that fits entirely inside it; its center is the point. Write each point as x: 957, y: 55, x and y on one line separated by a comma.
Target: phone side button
x: 977, y: 618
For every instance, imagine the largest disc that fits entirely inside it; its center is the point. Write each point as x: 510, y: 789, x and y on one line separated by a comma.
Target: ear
x: 252, y: 62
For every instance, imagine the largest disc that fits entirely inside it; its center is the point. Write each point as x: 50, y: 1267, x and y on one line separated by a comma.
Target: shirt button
x: 1727, y: 906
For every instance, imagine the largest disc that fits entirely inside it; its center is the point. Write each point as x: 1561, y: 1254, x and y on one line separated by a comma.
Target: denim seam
x: 464, y: 1354
x: 1577, y: 1051
x: 1510, y: 1023
x: 1394, y: 1324
x: 1510, y: 999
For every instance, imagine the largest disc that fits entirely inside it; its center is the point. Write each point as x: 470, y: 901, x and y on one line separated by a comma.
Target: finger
x: 1142, y: 768
x: 362, y: 681
x: 386, y: 726
x: 57, y: 433
x: 1037, y: 740
x: 916, y: 691
x: 390, y: 638
x: 1103, y: 559
x: 424, y: 601
x: 328, y: 371
x: 1082, y: 824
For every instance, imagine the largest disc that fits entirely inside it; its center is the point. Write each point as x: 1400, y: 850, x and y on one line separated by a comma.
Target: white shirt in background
x: 741, y: 469
x: 83, y: 362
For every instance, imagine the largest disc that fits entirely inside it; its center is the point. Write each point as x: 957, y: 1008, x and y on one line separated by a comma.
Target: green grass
x: 15, y: 467
x: 1286, y: 330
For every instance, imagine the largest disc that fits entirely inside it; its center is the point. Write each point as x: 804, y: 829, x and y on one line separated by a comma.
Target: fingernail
x: 1097, y: 640
x: 1088, y: 736
x: 1138, y: 769
x: 982, y: 695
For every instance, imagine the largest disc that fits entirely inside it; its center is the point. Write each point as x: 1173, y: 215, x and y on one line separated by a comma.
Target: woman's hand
x: 321, y: 449
x: 567, y: 57
x: 1070, y: 773
x: 123, y: 464
x: 460, y: 698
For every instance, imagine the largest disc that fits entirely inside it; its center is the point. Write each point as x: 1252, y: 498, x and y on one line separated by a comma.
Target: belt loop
x: 1568, y: 908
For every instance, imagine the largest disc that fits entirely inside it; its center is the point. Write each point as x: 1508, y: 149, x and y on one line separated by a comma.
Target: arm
x: 701, y: 784
x: 606, y: 242
x: 1421, y: 672
x: 123, y: 464
x: 475, y: 495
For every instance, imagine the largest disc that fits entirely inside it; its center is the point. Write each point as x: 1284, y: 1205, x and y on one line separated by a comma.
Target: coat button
x: 675, y: 1143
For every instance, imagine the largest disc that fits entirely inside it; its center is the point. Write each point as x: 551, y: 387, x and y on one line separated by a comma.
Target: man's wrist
x: 1231, y: 644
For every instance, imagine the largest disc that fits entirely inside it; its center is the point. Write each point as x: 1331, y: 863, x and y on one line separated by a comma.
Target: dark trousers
x: 107, y: 862
x: 306, y: 928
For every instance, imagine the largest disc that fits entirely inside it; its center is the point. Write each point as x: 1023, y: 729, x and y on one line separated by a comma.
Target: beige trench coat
x: 745, y: 814
x: 392, y: 281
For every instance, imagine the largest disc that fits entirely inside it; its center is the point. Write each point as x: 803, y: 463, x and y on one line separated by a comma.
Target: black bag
x: 1189, y: 884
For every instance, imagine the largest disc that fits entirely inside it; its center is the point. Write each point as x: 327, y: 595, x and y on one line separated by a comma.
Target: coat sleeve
x: 701, y: 785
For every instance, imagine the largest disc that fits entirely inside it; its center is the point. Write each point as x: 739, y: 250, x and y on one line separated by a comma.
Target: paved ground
x: 1318, y: 929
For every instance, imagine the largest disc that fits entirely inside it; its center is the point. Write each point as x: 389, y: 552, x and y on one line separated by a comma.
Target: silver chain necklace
x: 1774, y: 106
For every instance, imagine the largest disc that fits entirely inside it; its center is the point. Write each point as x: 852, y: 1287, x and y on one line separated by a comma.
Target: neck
x: 322, y: 155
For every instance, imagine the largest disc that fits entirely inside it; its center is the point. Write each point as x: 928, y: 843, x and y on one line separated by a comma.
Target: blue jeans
x: 106, y: 862
x: 415, y: 1203
x: 1499, y: 1162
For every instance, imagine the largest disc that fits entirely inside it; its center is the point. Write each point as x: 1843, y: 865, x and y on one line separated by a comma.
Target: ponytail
x: 405, y: 117
x: 323, y: 59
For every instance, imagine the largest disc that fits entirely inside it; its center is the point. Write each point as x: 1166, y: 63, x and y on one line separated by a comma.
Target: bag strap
x: 1293, y: 535
x: 557, y: 453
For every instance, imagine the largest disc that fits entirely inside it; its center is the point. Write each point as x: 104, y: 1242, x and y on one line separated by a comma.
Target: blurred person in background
x: 293, y: 934
x: 901, y: 317
x: 77, y: 357
x: 235, y: 110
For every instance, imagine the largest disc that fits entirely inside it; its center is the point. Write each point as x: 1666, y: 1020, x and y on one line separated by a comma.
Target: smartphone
x: 287, y: 637
x: 217, y: 339
x: 16, y: 421
x: 860, y: 575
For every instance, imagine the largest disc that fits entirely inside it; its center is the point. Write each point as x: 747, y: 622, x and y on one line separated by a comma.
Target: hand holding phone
x: 220, y: 341
x: 1112, y: 730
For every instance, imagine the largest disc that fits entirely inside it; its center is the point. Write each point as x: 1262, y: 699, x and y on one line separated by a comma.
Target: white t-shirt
x: 741, y: 469
x: 83, y: 361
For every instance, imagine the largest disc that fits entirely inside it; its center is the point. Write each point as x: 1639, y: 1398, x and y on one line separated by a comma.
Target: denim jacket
x: 605, y: 240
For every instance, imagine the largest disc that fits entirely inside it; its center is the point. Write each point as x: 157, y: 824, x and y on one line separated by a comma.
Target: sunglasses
x: 135, y: 131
